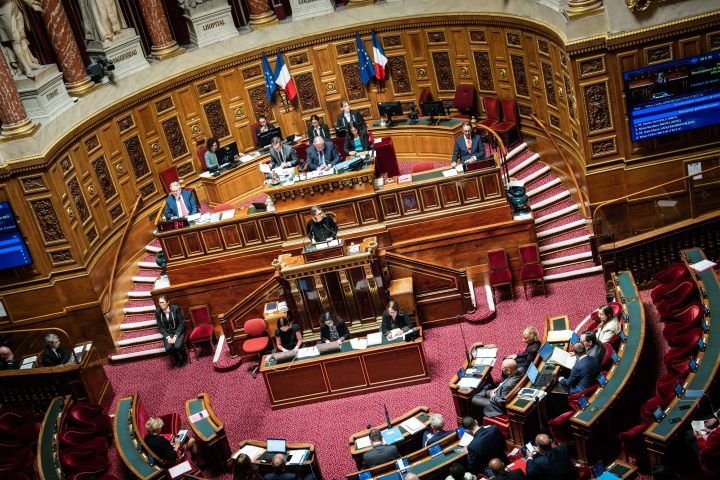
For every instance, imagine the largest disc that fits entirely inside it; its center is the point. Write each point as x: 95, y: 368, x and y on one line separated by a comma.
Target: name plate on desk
x: 323, y: 250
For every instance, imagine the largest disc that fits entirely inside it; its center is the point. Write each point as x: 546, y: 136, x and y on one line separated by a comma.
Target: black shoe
x: 183, y: 362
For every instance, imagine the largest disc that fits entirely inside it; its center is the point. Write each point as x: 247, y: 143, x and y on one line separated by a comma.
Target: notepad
x: 265, y: 168
x: 486, y: 352
x: 392, y: 435
x: 697, y: 425
x: 374, y: 339
x: 459, y: 168
x: 469, y: 383
x: 465, y: 440
x: 413, y: 425
x: 308, y: 352
x: 227, y: 214
x: 702, y: 266
x: 450, y: 173
x: 559, y: 335
x: 296, y: 457
x: 563, y: 358
x: 358, y: 343
x: 179, y: 469
x: 198, y: 416
x: 251, y: 451
x: 489, y: 362
x: 363, y: 442
x: 404, y: 178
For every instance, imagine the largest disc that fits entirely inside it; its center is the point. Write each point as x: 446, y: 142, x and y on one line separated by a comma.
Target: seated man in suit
x: 380, y: 452
x: 549, y: 463
x: 347, y: 116
x: 487, y: 443
x: 584, y: 373
x: 279, y: 473
x: 492, y: 401
x: 263, y: 127
x: 54, y: 353
x: 436, y: 433
x: 7, y: 360
x: 282, y: 154
x: 180, y: 203
x: 499, y: 471
x: 592, y: 346
x: 322, y: 155
x: 171, y: 325
x: 317, y: 129
x: 468, y: 148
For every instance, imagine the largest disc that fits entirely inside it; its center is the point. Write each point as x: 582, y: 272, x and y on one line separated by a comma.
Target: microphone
x: 467, y: 353
x: 373, y: 419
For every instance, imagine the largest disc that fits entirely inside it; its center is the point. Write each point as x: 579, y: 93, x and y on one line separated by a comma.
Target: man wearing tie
x: 180, y: 203
x: 54, y: 353
x: 317, y: 129
x: 321, y: 155
x: 347, y: 116
x: 282, y: 154
x: 469, y: 148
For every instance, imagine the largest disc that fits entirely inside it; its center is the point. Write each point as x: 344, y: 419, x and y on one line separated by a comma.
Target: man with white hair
x: 322, y: 155
x: 54, y: 353
x: 436, y: 432
x: 180, y: 203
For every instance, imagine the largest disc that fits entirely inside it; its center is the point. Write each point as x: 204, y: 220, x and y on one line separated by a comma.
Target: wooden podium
x: 335, y: 248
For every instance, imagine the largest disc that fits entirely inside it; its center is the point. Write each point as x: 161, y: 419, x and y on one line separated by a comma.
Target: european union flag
x: 367, y: 70
x: 269, y: 78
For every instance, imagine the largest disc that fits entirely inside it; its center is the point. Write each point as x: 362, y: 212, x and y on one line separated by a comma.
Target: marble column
x: 583, y: 8
x: 163, y: 45
x: 77, y: 81
x: 359, y: 3
x: 15, y: 121
x: 261, y: 15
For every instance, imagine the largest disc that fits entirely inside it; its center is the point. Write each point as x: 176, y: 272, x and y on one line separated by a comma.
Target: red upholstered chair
x: 502, y: 423
x: 661, y: 291
x: 12, y: 451
x: 253, y: 129
x: 676, y: 358
x: 672, y: 274
x: 168, y: 176
x: 75, y: 458
x: 583, y: 472
x: 607, y: 359
x: 509, y: 123
x: 371, y: 138
x: 616, y: 308
x: 633, y: 442
x: 10, y: 471
x: 465, y: 100
x: 646, y: 411
x: 89, y: 415
x: 492, y: 111
x: 688, y: 338
x: 15, y: 425
x: 421, y: 167
x: 83, y: 437
x: 560, y: 428
x: 670, y: 330
x: 710, y: 452
x: 202, y: 325
x: 256, y: 328
x: 424, y: 97
x: 531, y: 270
x: 667, y: 381
x: 171, y: 421
x: 685, y: 291
x: 201, y: 156
x: 573, y: 399
x: 223, y: 207
x: 340, y: 146
x: 499, y: 271
x: 94, y: 474
x: 690, y: 317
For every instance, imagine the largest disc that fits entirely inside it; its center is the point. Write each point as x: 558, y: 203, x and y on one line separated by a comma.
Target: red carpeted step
x: 133, y: 334
x: 547, y: 211
x: 569, y: 268
x: 139, y: 307
x: 146, y: 277
x: 518, y: 160
x: 140, y: 291
x: 546, y: 195
x: 559, y: 222
x: 540, y: 182
x: 563, y: 237
x: 566, y: 253
x: 138, y: 318
x: 142, y: 352
x: 530, y: 170
x: 261, y: 199
x: 483, y: 313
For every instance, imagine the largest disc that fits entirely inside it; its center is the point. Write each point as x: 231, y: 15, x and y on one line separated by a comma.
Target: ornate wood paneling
x: 554, y: 121
x: 125, y: 123
x: 33, y: 183
x: 436, y: 37
x: 597, y: 107
x: 483, y: 70
x: 61, y: 257
x: 138, y: 162
x: 569, y: 96
x: 186, y: 169
x: 78, y: 199
x: 478, y: 36
x: 524, y: 110
x: 589, y: 67
x: 47, y: 220
x: 601, y: 148
x: 252, y: 72
x: 713, y: 41
x: 174, y: 137
x: 164, y: 104
x: 148, y: 190
x: 92, y: 144
x: 298, y: 59
x: 514, y: 39
x: 354, y: 86
x: 346, y: 49
x: 549, y: 84
x: 65, y: 165
x: 216, y: 119
x: 392, y: 41
x: 92, y: 235
x: 260, y: 103
x: 307, y: 93
x: 443, y: 71
x: 206, y: 88
x: 659, y: 54
x: 518, y: 68
x: 399, y: 74
x: 116, y: 212
x: 543, y: 47
x: 107, y: 186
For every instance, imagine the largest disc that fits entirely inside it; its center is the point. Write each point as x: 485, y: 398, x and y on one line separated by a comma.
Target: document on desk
x: 486, y: 352
x: 362, y: 442
x: 703, y: 265
x: 296, y: 457
x: 698, y: 425
x: 227, y: 214
x: 450, y: 173
x: 251, y: 451
x: 192, y: 218
x: 374, y: 339
x: 205, y: 175
x: 358, y: 343
x: 469, y: 383
x: 198, y: 416
x: 179, y: 469
x: 413, y: 425
x: 487, y: 361
x: 265, y: 168
x: 465, y: 440
x: 563, y: 358
x: 333, y: 243
x: 559, y: 335
x: 308, y: 352
x: 28, y: 362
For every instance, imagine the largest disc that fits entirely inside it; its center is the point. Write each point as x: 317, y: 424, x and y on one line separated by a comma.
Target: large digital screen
x: 13, y: 252
x: 673, y: 97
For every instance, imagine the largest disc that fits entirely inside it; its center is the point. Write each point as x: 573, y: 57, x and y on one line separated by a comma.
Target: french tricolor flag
x: 283, y: 78
x: 380, y: 58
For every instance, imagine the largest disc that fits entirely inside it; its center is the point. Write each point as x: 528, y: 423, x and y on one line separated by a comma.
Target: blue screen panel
x: 13, y: 251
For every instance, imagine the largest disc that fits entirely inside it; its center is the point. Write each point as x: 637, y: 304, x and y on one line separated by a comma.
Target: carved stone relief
x: 399, y: 74
x: 92, y: 143
x: 597, y: 107
x: 137, y: 157
x: 555, y: 121
x: 216, y: 119
x: 518, y: 67
x: 126, y: 123
x: 604, y: 147
x: 35, y: 183
x: 570, y: 99
x: 104, y: 178
x: 65, y: 165
x: 478, y: 36
x: 514, y: 40
x: 116, y: 212
x: 543, y: 47
x: 484, y: 71
x: 186, y: 169
x: 436, y: 37
x: 298, y: 59
x: 207, y: 87
x: 392, y: 41
x: 252, y: 72
x: 164, y: 104
x: 549, y: 84
x: 590, y: 67
x: 47, y: 220
x: 78, y: 199
x: 92, y: 235
x: 345, y: 49
x: 659, y: 54
x: 174, y: 136
x: 443, y: 71
x: 61, y: 257
x: 353, y: 84
x: 305, y: 84
x: 259, y: 102
x: 148, y: 190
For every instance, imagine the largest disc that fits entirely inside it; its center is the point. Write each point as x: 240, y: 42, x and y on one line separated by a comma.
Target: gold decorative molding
x: 640, y: 5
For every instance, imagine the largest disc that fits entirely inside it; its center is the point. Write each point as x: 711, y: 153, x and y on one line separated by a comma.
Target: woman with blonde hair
x: 531, y: 338
x: 609, y: 324
x: 166, y: 449
x: 245, y: 469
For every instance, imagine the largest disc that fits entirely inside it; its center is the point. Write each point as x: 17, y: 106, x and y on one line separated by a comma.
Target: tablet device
x: 276, y: 445
x: 701, y: 344
x: 693, y: 364
x: 705, y: 326
x: 597, y: 470
x: 574, y: 338
x: 623, y: 337
x: 658, y: 414
x: 364, y: 476
x: 602, y: 380
x: 678, y: 389
x: 583, y: 402
x: 488, y: 473
x: 615, y: 358
x: 461, y: 373
x: 435, y: 450
x: 706, y: 310
x: 546, y: 351
x: 532, y: 373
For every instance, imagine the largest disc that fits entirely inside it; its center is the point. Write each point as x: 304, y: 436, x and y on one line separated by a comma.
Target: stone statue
x: 191, y: 3
x: 102, y: 19
x: 13, y: 24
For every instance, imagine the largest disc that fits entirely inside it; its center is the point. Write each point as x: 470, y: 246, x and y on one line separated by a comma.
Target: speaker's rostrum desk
x: 421, y: 141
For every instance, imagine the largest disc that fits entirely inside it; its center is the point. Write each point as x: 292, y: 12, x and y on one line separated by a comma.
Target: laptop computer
x: 546, y: 351
x: 260, y: 206
x: 341, y: 132
x: 274, y: 446
x: 539, y: 380
x: 331, y: 347
x: 284, y: 356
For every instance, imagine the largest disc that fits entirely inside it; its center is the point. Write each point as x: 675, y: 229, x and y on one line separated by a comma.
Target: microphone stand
x: 387, y: 417
x: 467, y: 353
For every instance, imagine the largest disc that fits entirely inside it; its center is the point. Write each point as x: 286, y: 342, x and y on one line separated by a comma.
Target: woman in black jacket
x: 395, y: 318
x: 357, y: 141
x: 333, y: 328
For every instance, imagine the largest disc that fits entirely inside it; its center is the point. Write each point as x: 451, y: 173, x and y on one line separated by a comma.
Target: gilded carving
x: 555, y: 121
x: 604, y: 147
x: 207, y: 87
x: 239, y: 112
x: 448, y: 104
x: 478, y: 36
x: 365, y: 112
x: 92, y: 143
x: 120, y: 168
x: 714, y: 41
x: 659, y: 54
x: 549, y: 84
x: 399, y: 74
x: 305, y: 84
x: 597, y: 105
x: 65, y: 165
x: 252, y: 72
x: 216, y: 119
x: 137, y: 157
x: 330, y: 87
x: 164, y: 104
x: 345, y: 49
x: 421, y: 73
x: 125, y: 123
x: 514, y: 40
x: 518, y: 67
x: 259, y: 102
x: 92, y: 235
x: 174, y: 136
x: 640, y: 5
x: 71, y: 214
x: 590, y: 67
x: 116, y: 212
x: 525, y: 111
x: 47, y: 220
x: 574, y: 136
x: 186, y: 169
x: 543, y: 47
x: 148, y: 190
x: 484, y: 71
x: 104, y: 179
x: 563, y: 58
x: 464, y: 71
x: 78, y: 199
x: 34, y: 183
x: 353, y: 84
x: 392, y: 41
x: 298, y: 59
x: 436, y: 37
x: 443, y: 71
x: 570, y: 99
x: 61, y: 257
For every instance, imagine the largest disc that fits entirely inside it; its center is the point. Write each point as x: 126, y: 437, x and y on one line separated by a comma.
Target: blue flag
x: 269, y: 78
x: 367, y: 70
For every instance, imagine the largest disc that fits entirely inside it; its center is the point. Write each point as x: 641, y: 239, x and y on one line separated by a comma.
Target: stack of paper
x: 192, y: 218
x: 282, y: 307
x: 396, y: 332
x: 374, y: 339
x: 459, y: 168
x: 468, y: 383
x: 486, y: 352
x: 702, y: 266
x: 490, y: 362
x: 28, y: 362
x: 204, y: 218
x: 198, y: 416
x: 559, y: 335
x: 450, y: 173
x: 296, y: 457
x: 307, y: 352
x: 228, y: 214
x: 563, y: 358
x: 251, y: 451
x: 358, y: 343
x: 265, y: 168
x: 413, y: 425
x: 205, y: 175
x: 363, y: 442
x: 215, y: 217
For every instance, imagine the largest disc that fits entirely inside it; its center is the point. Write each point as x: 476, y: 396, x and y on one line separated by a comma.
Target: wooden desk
x: 523, y: 414
x: 127, y: 443
x: 310, y: 464
x: 210, y: 432
x: 48, y: 447
x: 588, y: 424
x: 346, y: 373
x: 623, y: 470
x: 410, y: 442
x: 421, y: 464
x: 462, y: 398
x: 421, y: 141
x: 659, y: 436
x: 242, y: 182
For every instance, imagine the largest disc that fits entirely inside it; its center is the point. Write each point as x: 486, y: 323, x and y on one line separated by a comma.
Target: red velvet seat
x: 253, y: 129
x: 223, y: 207
x: 617, y: 311
x: 633, y: 442
x: 89, y: 415
x: 9, y: 471
x: 669, y: 332
x: 12, y: 451
x: 607, y: 359
x: 492, y: 112
x: 583, y: 472
x: 688, y: 338
x: 171, y: 421
x: 15, y: 425
x: 673, y: 273
x: 75, y: 458
x: 684, y: 292
x: 499, y: 271
x: 201, y: 156
x: 676, y: 358
x: 95, y: 474
x: 665, y: 384
x: 509, y: 123
x: 202, y: 326
x: 573, y: 399
x: 561, y: 429
x: 531, y: 270
x: 83, y: 437
x: 257, y: 329
x: 646, y: 411
x: 424, y: 97
x: 710, y: 452
x: 690, y: 317
x: 502, y: 423
x: 421, y: 167
x: 465, y: 100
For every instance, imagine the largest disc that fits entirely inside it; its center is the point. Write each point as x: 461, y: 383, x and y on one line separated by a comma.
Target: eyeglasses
x: 319, y: 214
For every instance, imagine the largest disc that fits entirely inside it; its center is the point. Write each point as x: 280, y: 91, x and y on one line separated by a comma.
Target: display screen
x: 598, y: 469
x: 461, y: 373
x: 616, y: 359
x: 674, y: 96
x: 658, y: 414
x: 13, y: 251
x: 602, y: 380
x: 546, y: 351
x: 678, y: 389
x: 623, y: 337
x: 275, y: 445
x: 693, y: 364
x: 583, y: 402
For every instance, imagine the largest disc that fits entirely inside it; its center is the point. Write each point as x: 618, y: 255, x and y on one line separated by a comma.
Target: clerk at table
x: 263, y: 127
x: 322, y: 155
x: 394, y: 318
x: 282, y: 154
x: 347, y: 116
x: 180, y: 203
x: 320, y: 228
x: 333, y: 328
x: 287, y: 336
x: 356, y: 141
x: 317, y: 129
x: 468, y: 148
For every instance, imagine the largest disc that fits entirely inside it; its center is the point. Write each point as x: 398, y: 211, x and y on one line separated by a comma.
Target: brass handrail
x: 117, y: 254
x: 608, y: 202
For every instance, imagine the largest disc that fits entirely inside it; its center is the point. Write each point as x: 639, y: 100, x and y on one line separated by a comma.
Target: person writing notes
x: 394, y: 319
x: 282, y: 154
x: 548, y: 463
x: 180, y: 203
x: 347, y: 116
x: 322, y: 155
x: 356, y: 142
x: 320, y: 228
x: 317, y: 129
x: 287, y: 336
x: 333, y: 329
x: 468, y: 148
